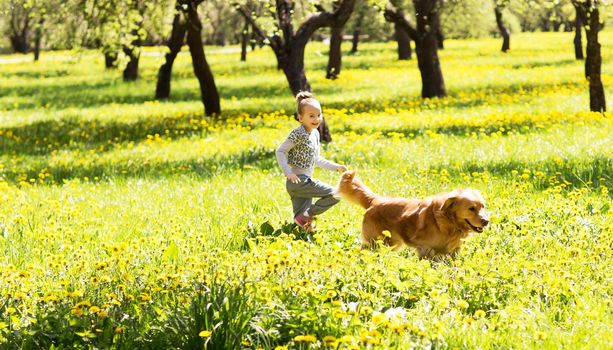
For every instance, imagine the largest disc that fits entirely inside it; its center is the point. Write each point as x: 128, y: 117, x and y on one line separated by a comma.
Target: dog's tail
x: 354, y: 190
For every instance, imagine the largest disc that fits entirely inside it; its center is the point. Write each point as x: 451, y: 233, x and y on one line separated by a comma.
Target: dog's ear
x: 447, y: 203
x: 348, y: 175
x: 449, y: 200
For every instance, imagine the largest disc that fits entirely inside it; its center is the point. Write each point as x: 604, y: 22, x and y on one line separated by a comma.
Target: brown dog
x: 434, y: 226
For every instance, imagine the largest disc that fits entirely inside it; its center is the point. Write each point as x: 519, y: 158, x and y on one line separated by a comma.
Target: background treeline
x: 121, y: 28
x: 68, y: 24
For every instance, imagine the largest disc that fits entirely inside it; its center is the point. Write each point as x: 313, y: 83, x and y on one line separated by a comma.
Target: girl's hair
x: 302, y: 98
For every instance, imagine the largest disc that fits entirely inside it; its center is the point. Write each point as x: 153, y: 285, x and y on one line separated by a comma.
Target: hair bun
x: 303, y: 95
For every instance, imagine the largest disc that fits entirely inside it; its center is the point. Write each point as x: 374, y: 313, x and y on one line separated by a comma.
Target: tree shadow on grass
x: 574, y: 173
x: 538, y: 64
x: 70, y: 133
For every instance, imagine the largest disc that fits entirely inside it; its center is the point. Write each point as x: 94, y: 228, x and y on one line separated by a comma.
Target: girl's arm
x: 329, y: 165
x: 282, y: 156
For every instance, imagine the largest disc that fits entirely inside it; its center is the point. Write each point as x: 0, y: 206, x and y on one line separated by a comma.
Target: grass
x: 132, y: 223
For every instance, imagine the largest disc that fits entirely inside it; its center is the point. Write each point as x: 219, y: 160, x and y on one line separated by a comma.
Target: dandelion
x: 205, y: 334
x: 538, y: 335
x: 329, y: 340
x: 462, y: 304
x: 346, y: 339
x: 331, y: 294
x: 379, y: 319
x: 479, y: 313
x: 305, y: 339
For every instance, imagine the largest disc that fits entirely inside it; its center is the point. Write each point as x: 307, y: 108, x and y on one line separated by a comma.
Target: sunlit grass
x: 131, y: 223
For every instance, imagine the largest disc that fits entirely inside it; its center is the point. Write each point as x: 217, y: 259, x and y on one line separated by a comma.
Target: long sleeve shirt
x: 299, y: 153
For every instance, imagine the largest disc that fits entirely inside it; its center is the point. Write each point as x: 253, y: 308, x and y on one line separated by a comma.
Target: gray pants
x: 303, y: 192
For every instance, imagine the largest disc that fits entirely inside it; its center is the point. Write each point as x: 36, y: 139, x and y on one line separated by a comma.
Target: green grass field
x: 130, y: 223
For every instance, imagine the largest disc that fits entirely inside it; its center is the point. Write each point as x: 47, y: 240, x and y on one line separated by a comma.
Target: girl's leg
x: 326, y: 201
x: 300, y: 205
x: 302, y: 192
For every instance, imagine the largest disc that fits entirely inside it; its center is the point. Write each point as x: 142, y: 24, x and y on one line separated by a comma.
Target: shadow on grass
x: 43, y: 136
x: 61, y: 94
x: 538, y: 64
x: 574, y: 173
x: 202, y: 168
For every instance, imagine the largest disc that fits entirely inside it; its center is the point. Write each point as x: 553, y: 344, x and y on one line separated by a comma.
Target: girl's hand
x: 341, y: 168
x: 293, y: 178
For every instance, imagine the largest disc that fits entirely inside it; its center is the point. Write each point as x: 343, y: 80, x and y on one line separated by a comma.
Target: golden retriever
x: 434, y: 226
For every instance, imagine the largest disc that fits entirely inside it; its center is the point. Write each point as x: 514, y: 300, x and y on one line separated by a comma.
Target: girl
x: 298, y: 155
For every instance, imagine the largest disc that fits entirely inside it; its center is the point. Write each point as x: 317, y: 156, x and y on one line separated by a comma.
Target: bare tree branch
x: 399, y: 18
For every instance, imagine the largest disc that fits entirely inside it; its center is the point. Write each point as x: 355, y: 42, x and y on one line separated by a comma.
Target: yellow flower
x: 346, y: 339
x: 305, y: 338
x: 379, y: 318
x: 479, y: 313
x: 538, y: 335
x: 205, y: 334
x: 462, y: 304
x: 329, y: 339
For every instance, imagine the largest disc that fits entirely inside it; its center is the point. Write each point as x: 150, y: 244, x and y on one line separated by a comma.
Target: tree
x: 289, y: 45
x: 187, y: 27
x: 401, y: 36
x: 208, y: 89
x: 589, y: 12
x: 336, y: 39
x: 18, y: 24
x: 577, y: 40
x: 356, y: 28
x: 499, y: 6
x: 174, y: 43
x: 426, y: 43
x: 244, y: 41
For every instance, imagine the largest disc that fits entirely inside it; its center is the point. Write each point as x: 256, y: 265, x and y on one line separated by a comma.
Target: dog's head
x: 467, y: 209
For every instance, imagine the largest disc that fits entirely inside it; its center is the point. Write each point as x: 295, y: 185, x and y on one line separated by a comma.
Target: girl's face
x: 311, y: 116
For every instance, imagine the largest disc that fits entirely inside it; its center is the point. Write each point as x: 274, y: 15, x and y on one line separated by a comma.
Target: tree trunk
x: 208, y: 89
x: 355, y: 41
x: 356, y: 33
x: 577, y: 40
x: 244, y: 41
x: 335, y: 55
x: 404, y: 42
x: 504, y: 32
x: 37, y: 39
x: 433, y: 84
x: 175, y: 42
x: 19, y: 42
x: 130, y: 73
x: 593, y: 62
x: 110, y: 60
x: 440, y: 38
x: 293, y: 67
x: 254, y: 39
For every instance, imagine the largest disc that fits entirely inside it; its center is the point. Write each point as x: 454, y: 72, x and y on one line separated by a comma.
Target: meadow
x: 131, y: 223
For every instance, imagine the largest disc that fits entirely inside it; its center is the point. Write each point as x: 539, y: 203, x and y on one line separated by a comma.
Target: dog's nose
x: 484, y: 222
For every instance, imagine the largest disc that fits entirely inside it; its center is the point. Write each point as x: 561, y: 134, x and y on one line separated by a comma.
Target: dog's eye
x: 472, y: 208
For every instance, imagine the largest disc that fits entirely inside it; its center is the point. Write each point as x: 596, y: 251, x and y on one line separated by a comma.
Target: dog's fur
x: 434, y: 226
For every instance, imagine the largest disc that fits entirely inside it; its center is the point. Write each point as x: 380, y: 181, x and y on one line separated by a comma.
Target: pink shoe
x: 304, y: 221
